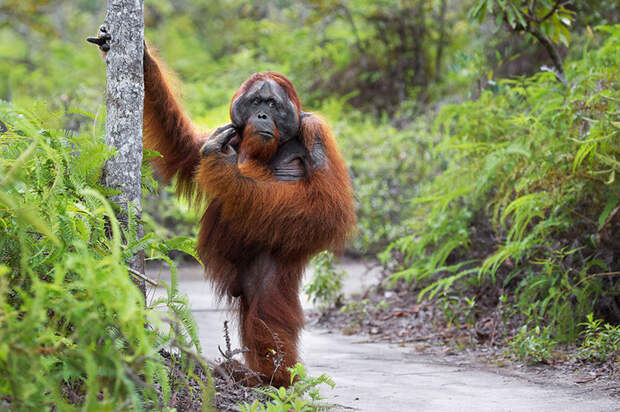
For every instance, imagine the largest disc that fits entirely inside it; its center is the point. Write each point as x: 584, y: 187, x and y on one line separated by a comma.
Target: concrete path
x: 379, y: 377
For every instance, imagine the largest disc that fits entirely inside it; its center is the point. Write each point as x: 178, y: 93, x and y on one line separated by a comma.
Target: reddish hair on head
x: 279, y: 78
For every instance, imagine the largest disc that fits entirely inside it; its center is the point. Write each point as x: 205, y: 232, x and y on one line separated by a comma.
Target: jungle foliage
x: 72, y: 322
x: 529, y: 198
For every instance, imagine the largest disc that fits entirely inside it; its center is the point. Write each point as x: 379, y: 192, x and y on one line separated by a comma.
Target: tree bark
x: 125, y: 103
x: 551, y: 50
x: 420, y: 76
x: 442, y: 40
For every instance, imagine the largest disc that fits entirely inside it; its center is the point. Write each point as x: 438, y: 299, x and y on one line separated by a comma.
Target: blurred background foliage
x: 481, y: 166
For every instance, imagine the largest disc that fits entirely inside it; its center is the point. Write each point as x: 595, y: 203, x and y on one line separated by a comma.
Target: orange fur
x: 257, y: 233
x: 305, y: 216
x: 168, y: 130
x: 255, y: 151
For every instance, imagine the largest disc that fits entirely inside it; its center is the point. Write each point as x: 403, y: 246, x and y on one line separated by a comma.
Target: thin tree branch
x: 551, y: 50
x: 143, y: 277
x: 442, y: 39
x: 532, y: 17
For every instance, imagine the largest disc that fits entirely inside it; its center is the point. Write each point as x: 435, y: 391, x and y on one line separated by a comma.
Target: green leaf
x: 610, y: 205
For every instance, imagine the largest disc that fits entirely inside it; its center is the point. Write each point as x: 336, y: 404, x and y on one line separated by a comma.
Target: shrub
x: 601, y: 341
x: 326, y: 285
x: 533, y: 345
x: 72, y: 323
x: 302, y: 396
x: 529, y: 198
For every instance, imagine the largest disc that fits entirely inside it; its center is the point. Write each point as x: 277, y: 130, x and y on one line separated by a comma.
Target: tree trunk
x: 125, y: 103
x: 442, y: 40
x: 551, y: 50
x: 420, y: 78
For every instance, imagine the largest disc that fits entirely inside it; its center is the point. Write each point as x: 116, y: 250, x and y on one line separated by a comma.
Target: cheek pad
x: 239, y: 112
x: 287, y: 122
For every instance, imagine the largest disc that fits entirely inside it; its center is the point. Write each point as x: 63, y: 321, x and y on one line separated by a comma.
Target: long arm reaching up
x: 167, y: 129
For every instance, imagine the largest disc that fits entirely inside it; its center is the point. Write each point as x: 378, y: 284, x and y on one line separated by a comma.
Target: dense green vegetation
x: 476, y: 172
x: 71, y: 320
x: 528, y: 197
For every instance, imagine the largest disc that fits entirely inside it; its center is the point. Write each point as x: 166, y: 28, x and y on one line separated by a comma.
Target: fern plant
x: 302, y: 396
x: 529, y: 199
x: 72, y: 323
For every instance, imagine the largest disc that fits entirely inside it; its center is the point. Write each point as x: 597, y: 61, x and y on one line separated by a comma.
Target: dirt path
x: 380, y: 377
